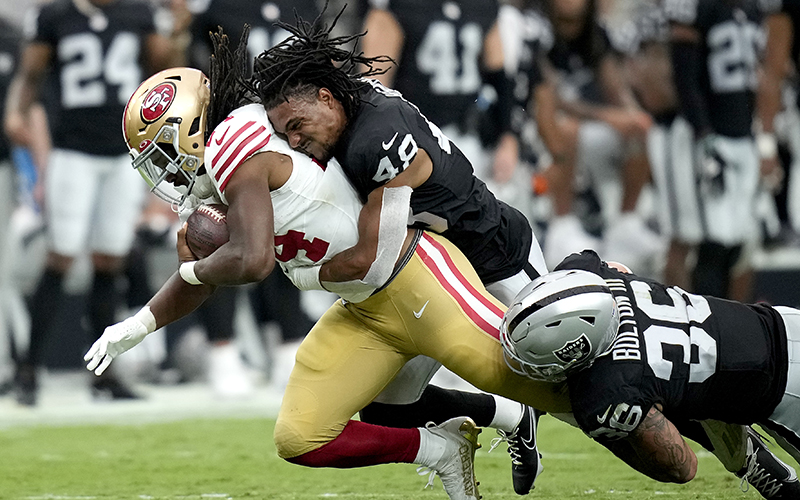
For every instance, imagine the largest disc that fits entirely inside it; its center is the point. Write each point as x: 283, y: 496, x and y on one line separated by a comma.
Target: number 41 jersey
x: 699, y: 357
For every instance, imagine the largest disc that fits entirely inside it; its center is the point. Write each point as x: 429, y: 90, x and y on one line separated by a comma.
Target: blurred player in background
x: 10, y: 39
x: 98, y: 51
x: 607, y: 129
x: 715, y: 51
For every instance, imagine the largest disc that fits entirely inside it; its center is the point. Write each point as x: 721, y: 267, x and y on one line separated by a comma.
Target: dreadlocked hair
x: 311, y: 59
x: 230, y: 88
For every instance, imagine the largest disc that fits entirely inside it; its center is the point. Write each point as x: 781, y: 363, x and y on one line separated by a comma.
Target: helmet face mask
x: 164, y: 127
x: 559, y: 324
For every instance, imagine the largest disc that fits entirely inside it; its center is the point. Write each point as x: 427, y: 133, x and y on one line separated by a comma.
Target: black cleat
x: 767, y: 473
x: 526, y: 464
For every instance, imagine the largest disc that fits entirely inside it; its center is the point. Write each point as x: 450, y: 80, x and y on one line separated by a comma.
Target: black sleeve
x: 687, y: 65
x: 504, y: 86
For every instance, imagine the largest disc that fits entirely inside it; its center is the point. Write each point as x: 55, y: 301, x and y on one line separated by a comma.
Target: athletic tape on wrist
x: 187, y: 273
x: 306, y: 277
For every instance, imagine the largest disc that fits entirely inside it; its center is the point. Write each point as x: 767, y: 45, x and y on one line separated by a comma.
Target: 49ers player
x: 419, y: 296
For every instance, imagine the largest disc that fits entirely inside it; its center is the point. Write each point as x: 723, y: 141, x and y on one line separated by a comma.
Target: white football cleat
x: 456, y: 468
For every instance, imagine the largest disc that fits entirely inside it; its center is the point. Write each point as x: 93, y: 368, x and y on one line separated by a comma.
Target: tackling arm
x: 656, y: 449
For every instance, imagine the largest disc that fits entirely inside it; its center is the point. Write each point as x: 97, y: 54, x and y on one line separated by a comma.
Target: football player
x: 95, y: 50
x: 642, y: 358
x: 606, y: 128
x: 379, y: 138
x: 418, y: 295
x: 715, y: 48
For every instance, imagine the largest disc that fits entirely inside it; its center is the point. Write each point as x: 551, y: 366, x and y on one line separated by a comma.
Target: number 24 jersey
x: 699, y: 357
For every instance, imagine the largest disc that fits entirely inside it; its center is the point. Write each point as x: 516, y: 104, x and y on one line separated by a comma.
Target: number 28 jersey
x: 315, y: 212
x: 96, y: 59
x: 699, y: 357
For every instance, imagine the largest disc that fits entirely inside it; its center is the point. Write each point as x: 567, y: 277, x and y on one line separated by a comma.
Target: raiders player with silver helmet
x: 642, y: 359
x: 98, y: 51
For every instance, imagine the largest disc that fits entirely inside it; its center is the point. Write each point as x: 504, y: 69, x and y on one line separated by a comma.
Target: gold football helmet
x: 164, y: 126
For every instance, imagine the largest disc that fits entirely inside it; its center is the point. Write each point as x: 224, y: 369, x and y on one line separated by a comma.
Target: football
x: 207, y: 229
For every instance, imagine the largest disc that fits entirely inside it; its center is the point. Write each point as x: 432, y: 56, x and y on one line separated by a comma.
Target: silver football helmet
x: 559, y: 323
x: 164, y: 126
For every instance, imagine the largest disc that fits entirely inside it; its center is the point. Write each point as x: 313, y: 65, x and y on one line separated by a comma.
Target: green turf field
x: 206, y: 459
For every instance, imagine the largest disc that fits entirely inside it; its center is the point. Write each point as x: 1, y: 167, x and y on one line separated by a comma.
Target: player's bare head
x: 312, y: 59
x: 559, y: 323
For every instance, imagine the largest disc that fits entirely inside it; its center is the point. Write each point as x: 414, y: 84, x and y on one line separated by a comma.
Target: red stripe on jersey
x: 472, y: 290
x: 242, y: 144
x: 248, y: 155
x: 474, y: 315
x: 228, y: 143
x: 323, y: 167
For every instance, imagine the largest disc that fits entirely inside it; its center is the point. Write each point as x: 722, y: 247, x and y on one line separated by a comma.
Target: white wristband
x: 307, y: 278
x: 145, y: 317
x: 767, y: 145
x: 187, y: 273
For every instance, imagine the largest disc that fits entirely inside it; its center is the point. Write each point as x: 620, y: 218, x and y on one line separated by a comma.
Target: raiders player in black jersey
x: 641, y: 358
x: 98, y: 51
x: 715, y: 48
x: 383, y: 140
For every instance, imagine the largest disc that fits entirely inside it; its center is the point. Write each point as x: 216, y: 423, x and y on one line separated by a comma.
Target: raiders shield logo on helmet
x: 157, y: 101
x: 574, y: 350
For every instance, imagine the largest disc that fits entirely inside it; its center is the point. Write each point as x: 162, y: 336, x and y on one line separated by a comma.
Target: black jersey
x: 699, y: 357
x: 792, y: 9
x: 439, y: 69
x: 9, y: 55
x: 385, y: 136
x: 96, y: 68
x: 232, y: 15
x: 731, y: 42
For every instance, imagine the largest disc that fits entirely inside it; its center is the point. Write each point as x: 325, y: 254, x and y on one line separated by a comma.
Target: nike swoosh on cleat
x: 419, y: 314
x: 530, y: 443
x: 387, y: 145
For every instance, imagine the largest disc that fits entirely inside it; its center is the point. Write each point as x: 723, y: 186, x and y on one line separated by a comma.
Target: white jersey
x: 316, y: 210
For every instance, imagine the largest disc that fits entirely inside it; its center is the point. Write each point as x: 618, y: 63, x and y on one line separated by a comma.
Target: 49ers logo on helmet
x: 157, y: 101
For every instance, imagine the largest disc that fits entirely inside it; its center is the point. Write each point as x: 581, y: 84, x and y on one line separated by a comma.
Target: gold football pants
x: 436, y: 306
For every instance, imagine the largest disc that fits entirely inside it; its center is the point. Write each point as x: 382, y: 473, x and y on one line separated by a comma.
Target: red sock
x: 361, y: 444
